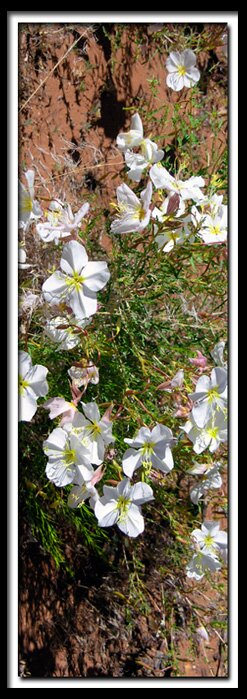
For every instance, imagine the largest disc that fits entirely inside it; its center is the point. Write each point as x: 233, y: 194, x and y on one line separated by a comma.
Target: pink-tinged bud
x: 98, y: 474
x: 107, y: 414
x: 173, y: 204
x: 200, y: 361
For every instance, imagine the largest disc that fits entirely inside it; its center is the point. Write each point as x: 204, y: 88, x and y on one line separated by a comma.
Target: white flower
x: 85, y: 478
x: 22, y: 256
x: 202, y: 632
x: 218, y: 354
x: 210, y: 436
x: 64, y: 452
x: 137, y: 162
x: 78, y: 282
x: 182, y: 70
x: 211, y: 479
x: 66, y: 331
x: 214, y: 228
x: 93, y: 431
x: 82, y: 376
x: 210, y: 538
x: 131, y: 138
x: 29, y: 208
x: 187, y: 189
x: 28, y: 302
x: 121, y: 506
x: 210, y: 396
x: 60, y: 221
x: 200, y: 564
x: 32, y: 385
x: 168, y: 237
x: 149, y: 449
x: 133, y: 213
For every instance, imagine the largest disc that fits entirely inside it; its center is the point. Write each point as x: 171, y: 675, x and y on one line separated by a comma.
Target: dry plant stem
x: 54, y: 68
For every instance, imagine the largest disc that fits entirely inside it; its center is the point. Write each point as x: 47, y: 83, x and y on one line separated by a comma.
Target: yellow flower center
x: 212, y: 394
x: 213, y: 432
x: 214, y: 230
x: 148, y: 448
x: 69, y: 456
x: 22, y: 385
x: 181, y: 70
x: 208, y: 541
x: 122, y: 506
x: 27, y: 204
x: 94, y: 429
x: 75, y: 281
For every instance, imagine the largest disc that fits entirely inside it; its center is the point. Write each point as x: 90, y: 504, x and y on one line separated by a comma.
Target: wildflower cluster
x: 174, y: 211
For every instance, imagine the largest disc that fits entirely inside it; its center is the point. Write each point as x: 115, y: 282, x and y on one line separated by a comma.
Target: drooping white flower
x: 28, y: 302
x: 59, y: 406
x: 29, y: 208
x: 133, y: 214
x: 65, y: 451
x: 82, y: 376
x: 132, y: 138
x: 66, y: 331
x: 121, y: 506
x: 187, y: 189
x: 182, y: 70
x: 201, y: 563
x: 138, y: 162
x: 218, y: 354
x: 32, y: 385
x: 210, y: 396
x: 79, y: 281
x: 168, y: 237
x: 149, y: 449
x: 211, y: 478
x: 210, y: 436
x: 61, y: 222
x: 85, y: 479
x: 92, y: 430
x: 210, y: 538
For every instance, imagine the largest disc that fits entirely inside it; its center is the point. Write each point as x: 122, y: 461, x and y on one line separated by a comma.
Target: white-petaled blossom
x: 78, y: 282
x: 218, y: 354
x: 149, y: 449
x: 210, y: 436
x: 210, y: 538
x: 182, y: 70
x: 65, y: 331
x: 121, y: 506
x: 133, y: 214
x: 93, y: 431
x: 167, y: 237
x: 82, y: 376
x: 138, y: 162
x: 187, y: 189
x: 211, y: 478
x: 210, y: 396
x: 65, y: 451
x: 85, y: 480
x: 200, y: 564
x: 132, y: 138
x: 61, y: 222
x: 32, y: 385
x: 214, y: 228
x: 29, y: 208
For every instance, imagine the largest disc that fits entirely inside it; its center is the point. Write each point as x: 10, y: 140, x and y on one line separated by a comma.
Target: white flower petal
x: 107, y: 515
x: 95, y: 275
x: 132, y: 523
x: 27, y: 405
x: 132, y: 459
x: 74, y: 258
x: 141, y: 492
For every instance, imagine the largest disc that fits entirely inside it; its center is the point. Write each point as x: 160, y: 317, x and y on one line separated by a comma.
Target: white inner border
x: 14, y: 18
